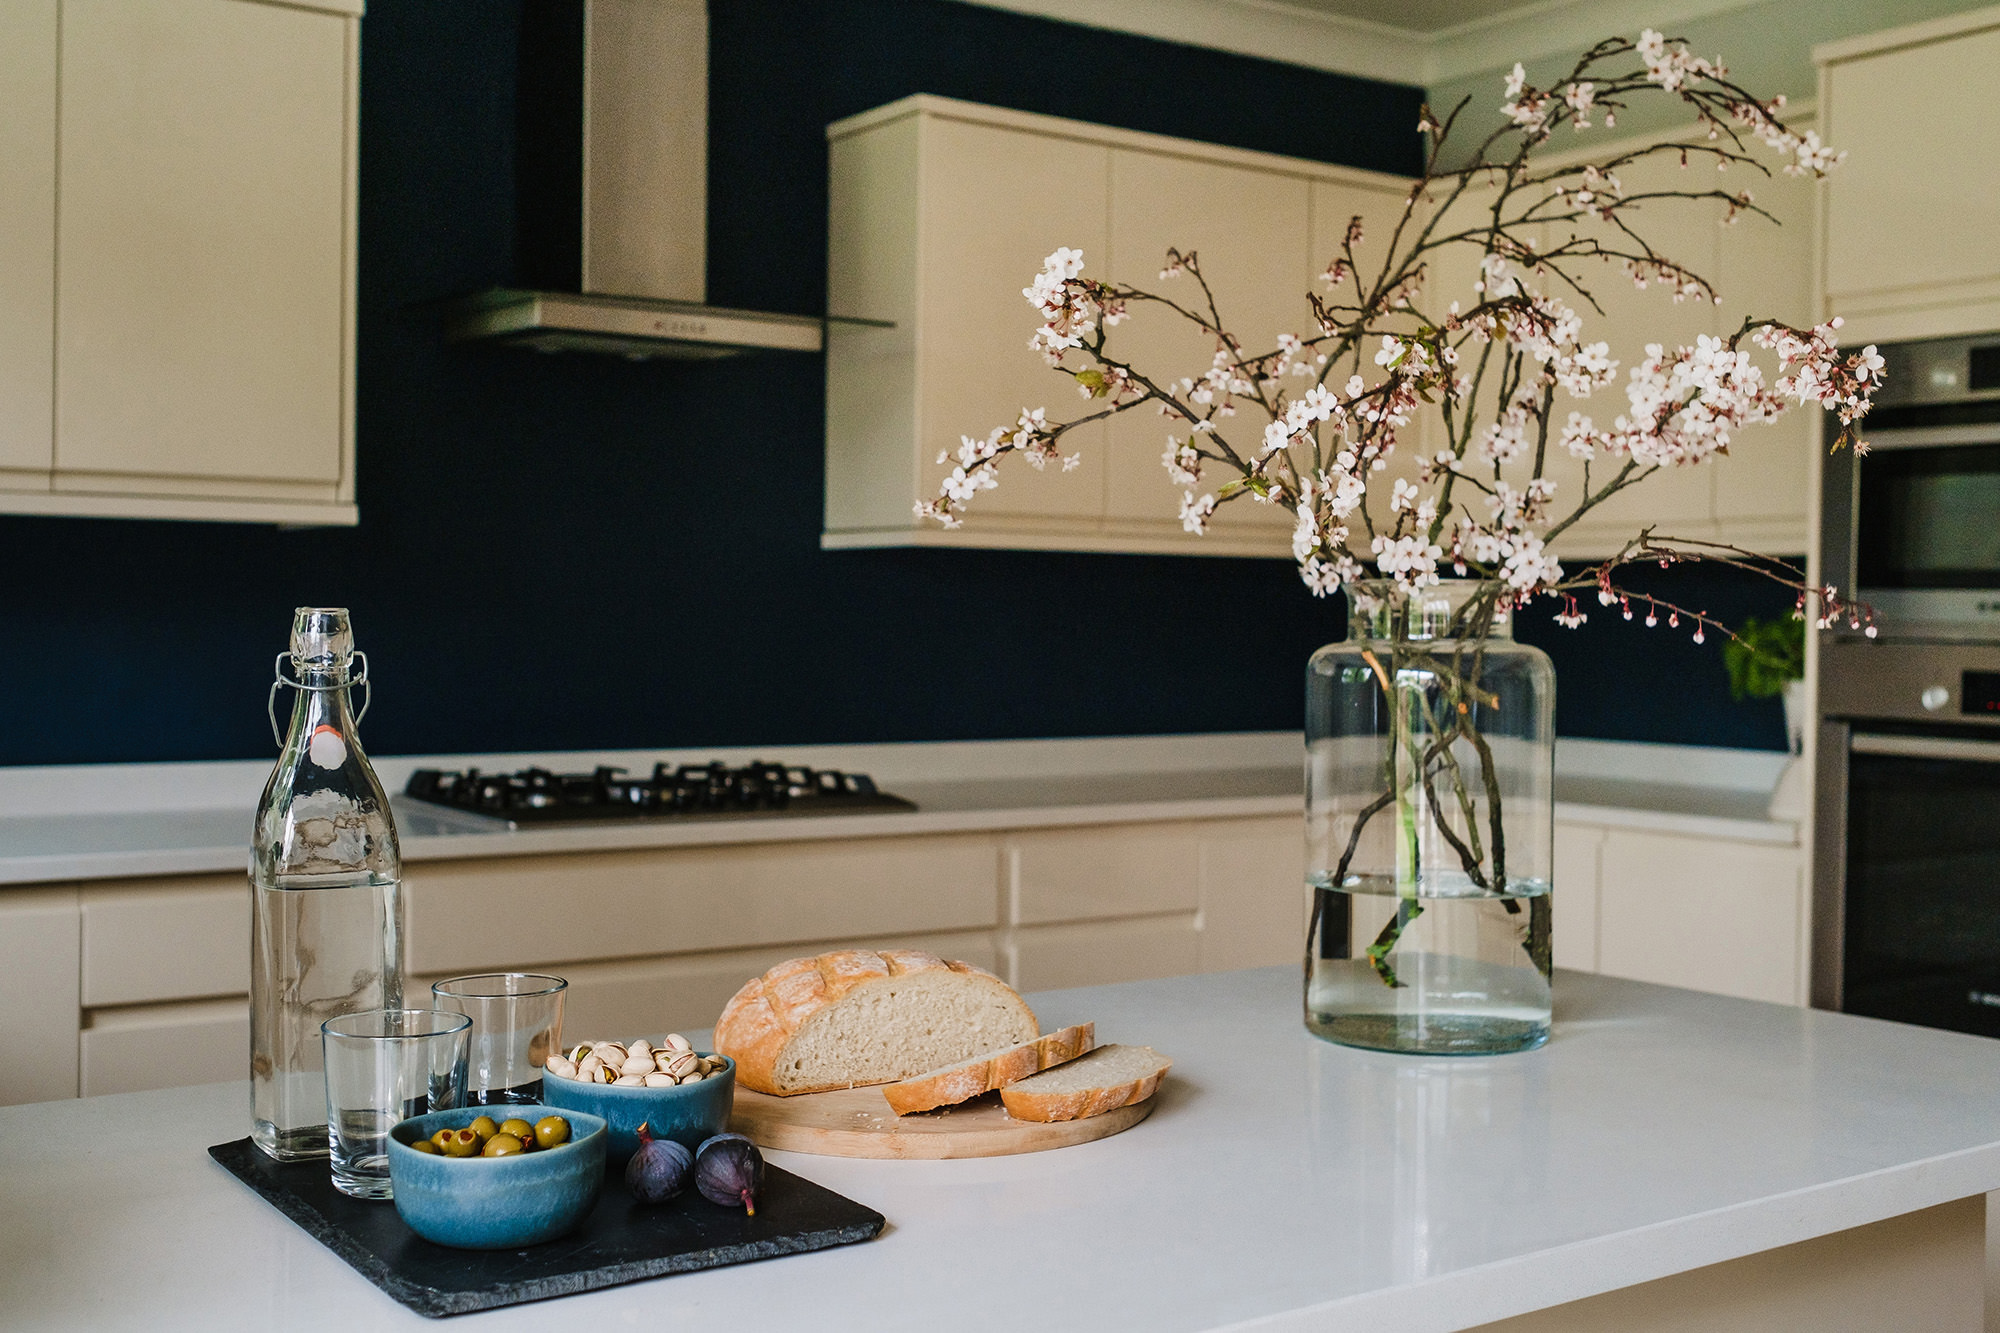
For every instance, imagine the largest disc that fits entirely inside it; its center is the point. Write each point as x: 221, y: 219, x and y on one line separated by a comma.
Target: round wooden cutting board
x: 857, y: 1122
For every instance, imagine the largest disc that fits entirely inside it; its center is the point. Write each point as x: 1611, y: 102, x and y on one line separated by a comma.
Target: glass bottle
x: 326, y: 934
x: 1430, y: 824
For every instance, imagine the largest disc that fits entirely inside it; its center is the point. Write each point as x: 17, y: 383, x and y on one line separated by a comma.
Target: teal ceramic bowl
x: 686, y: 1113
x: 496, y: 1203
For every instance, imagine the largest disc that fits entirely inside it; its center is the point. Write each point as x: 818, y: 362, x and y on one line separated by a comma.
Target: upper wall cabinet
x: 176, y: 339
x: 1912, y: 220
x: 1756, y: 495
x: 942, y: 211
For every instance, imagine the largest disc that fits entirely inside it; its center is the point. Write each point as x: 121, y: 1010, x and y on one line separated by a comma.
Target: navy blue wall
x: 580, y: 552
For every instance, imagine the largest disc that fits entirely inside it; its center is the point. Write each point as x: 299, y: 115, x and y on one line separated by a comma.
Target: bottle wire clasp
x: 280, y: 680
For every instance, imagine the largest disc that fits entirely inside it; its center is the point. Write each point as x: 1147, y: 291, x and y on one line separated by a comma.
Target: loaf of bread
x: 855, y: 1016
x: 983, y: 1073
x: 1104, y: 1080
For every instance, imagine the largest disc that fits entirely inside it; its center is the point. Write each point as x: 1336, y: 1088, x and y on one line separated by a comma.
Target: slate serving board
x: 619, y: 1241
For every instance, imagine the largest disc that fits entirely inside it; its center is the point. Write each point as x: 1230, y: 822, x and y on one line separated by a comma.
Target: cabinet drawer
x: 522, y: 911
x: 1097, y: 953
x: 168, y: 939
x: 1079, y: 874
x: 38, y: 1017
x: 685, y: 993
x: 1702, y: 913
x: 164, y: 1046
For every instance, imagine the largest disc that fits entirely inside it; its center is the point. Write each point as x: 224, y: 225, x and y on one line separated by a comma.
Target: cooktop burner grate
x: 538, y: 796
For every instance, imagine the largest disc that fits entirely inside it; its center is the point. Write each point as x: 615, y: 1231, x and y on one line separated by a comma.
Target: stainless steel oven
x: 1906, y: 892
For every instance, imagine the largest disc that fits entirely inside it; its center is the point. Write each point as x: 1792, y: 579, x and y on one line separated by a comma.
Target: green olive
x: 463, y: 1143
x: 424, y: 1146
x: 439, y: 1139
x: 503, y: 1144
x: 551, y: 1130
x: 484, y: 1128
x: 519, y: 1128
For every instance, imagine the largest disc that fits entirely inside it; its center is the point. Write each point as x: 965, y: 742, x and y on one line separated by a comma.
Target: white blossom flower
x: 1195, y: 513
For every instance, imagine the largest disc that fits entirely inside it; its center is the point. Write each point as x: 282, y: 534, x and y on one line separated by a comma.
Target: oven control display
x: 1979, y: 692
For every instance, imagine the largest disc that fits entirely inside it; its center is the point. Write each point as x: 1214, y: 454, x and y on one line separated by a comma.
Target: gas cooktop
x: 689, y: 791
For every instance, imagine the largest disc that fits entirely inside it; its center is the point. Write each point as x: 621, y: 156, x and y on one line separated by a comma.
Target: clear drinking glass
x: 1430, y: 770
x: 382, y: 1067
x: 517, y: 1019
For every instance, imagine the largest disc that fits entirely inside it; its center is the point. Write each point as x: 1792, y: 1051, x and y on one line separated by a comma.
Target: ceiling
x: 1421, y: 16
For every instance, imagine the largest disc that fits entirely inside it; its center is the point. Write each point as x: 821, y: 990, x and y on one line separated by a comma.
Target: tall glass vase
x: 1430, y: 768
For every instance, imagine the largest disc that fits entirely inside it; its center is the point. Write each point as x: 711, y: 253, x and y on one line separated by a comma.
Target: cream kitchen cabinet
x: 1708, y: 913
x: 123, y: 985
x: 942, y: 211
x: 176, y: 340
x: 1756, y: 496
x: 1912, y: 223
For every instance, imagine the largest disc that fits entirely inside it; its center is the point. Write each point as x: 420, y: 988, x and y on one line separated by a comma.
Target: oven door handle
x: 1926, y: 747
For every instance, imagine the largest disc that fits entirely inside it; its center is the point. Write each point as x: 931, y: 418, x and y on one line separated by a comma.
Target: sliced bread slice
x: 1104, y: 1080
x: 983, y: 1073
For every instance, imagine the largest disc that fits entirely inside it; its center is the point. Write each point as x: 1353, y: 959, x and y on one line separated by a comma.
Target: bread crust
x: 1083, y: 1102
x: 761, y: 1018
x: 963, y: 1082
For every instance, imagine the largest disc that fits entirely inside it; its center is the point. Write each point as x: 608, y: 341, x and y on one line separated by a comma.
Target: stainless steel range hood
x: 612, y: 193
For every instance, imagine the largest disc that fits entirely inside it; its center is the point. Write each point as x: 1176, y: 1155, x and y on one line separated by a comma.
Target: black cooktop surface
x: 686, y: 791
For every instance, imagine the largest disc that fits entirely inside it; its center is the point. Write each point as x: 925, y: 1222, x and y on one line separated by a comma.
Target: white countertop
x: 140, y: 820
x: 1282, y: 1179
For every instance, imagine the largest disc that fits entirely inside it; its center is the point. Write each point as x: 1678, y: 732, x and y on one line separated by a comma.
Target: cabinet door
x: 1709, y: 915
x: 27, y: 242
x: 1766, y: 272
x: 1677, y: 499
x: 1251, y: 231
x: 1912, y: 206
x: 996, y: 203
x: 1574, y: 904
x: 202, y: 261
x: 1253, y: 896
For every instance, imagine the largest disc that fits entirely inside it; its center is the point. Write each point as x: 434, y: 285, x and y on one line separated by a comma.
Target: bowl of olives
x: 688, y: 1113
x: 496, y: 1178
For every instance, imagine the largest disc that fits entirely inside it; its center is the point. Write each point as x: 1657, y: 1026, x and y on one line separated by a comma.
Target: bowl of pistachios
x: 674, y: 1090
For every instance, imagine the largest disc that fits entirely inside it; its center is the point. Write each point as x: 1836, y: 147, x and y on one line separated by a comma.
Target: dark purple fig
x: 729, y: 1170
x: 659, y: 1170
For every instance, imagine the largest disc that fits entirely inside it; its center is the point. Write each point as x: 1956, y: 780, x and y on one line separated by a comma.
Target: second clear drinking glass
x: 382, y: 1067
x: 517, y: 1025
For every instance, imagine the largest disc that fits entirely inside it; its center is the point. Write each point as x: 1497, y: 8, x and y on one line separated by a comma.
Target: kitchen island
x: 1667, y: 1151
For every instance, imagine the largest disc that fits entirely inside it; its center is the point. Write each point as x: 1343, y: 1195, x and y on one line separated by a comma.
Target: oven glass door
x: 1923, y: 882
x: 1927, y: 532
